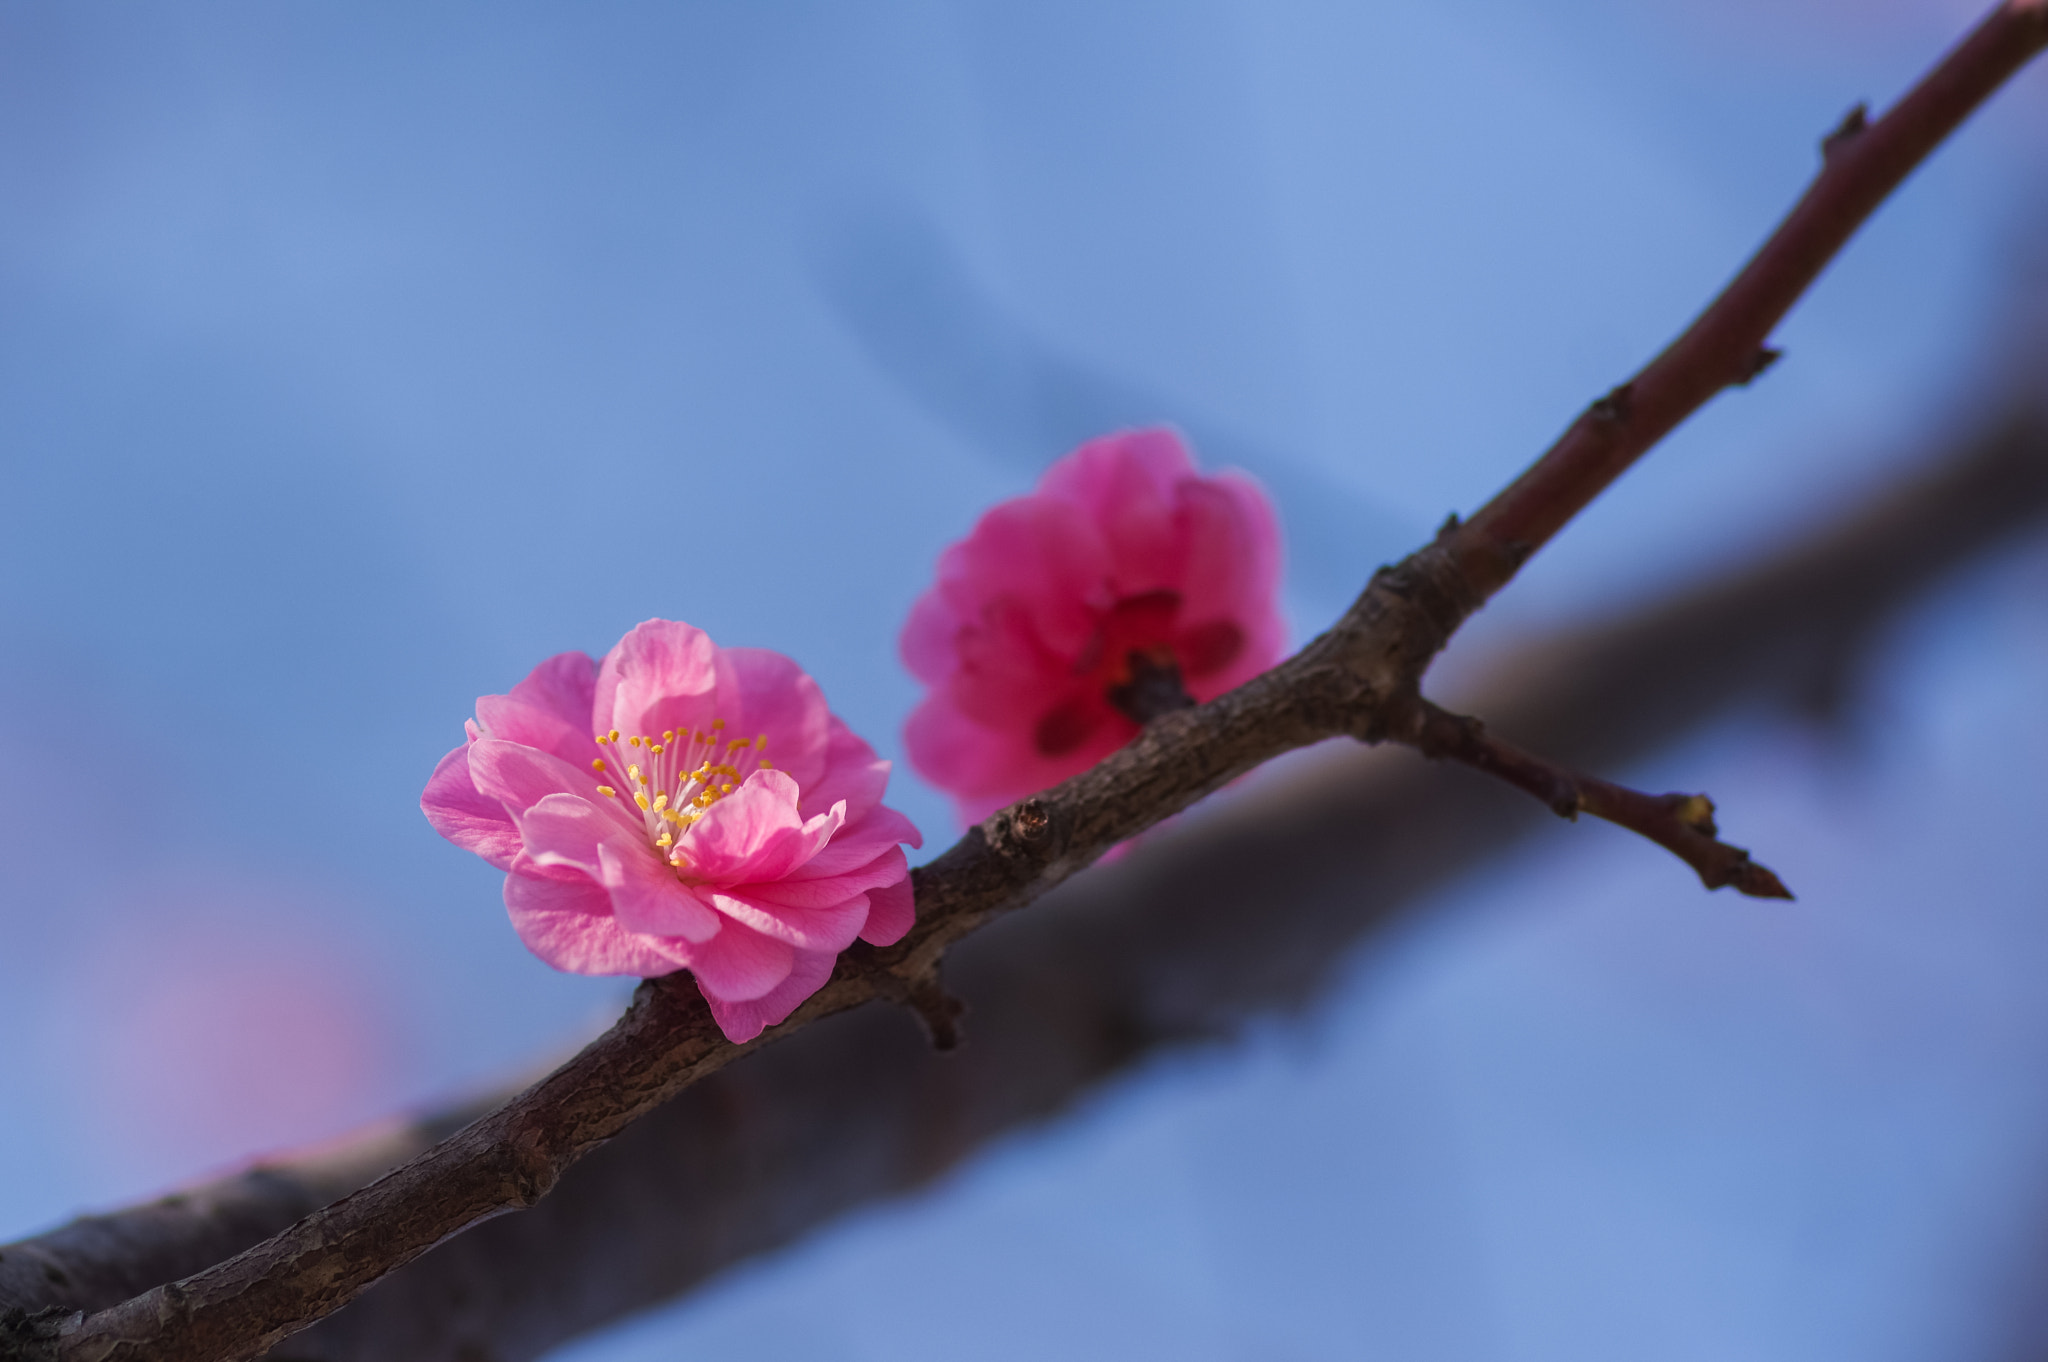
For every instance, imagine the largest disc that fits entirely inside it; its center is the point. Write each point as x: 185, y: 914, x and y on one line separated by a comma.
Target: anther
x: 661, y: 801
x: 640, y: 799
x: 608, y: 792
x: 613, y: 735
x: 597, y: 765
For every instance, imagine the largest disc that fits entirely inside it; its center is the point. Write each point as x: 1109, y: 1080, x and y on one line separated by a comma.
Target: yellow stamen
x: 597, y: 765
x: 717, y: 724
x: 664, y: 840
x: 668, y: 735
x: 613, y: 735
x: 608, y: 792
x: 640, y: 799
x: 661, y: 801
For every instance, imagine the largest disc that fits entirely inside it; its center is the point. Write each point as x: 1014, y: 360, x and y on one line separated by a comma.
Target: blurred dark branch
x: 1109, y: 968
x: 1358, y: 680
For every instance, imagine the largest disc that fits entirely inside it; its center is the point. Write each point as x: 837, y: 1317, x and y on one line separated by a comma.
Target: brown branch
x: 1682, y: 824
x: 1862, y: 163
x: 1351, y: 681
x: 1147, y: 953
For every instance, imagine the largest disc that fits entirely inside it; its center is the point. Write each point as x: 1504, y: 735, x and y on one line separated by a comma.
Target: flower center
x: 674, y: 778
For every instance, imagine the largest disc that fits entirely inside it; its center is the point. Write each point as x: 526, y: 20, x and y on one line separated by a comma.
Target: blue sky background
x: 355, y: 358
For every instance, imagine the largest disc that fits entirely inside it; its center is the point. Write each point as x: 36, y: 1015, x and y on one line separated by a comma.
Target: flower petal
x: 824, y: 891
x: 569, y: 924
x: 852, y: 772
x: 464, y: 815
x: 519, y: 776
x: 830, y: 925
x: 565, y: 830
x: 1040, y: 552
x: 565, y: 686
x: 550, y: 709
x: 1127, y: 484
x: 1233, y: 559
x: 891, y: 911
x: 927, y: 642
x: 770, y: 694
x: 755, y: 833
x: 739, y: 964
x: 663, y: 675
x: 853, y: 847
x: 741, y: 1022
x: 648, y: 899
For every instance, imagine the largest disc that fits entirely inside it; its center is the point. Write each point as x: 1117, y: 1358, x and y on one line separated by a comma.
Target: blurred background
x: 355, y: 358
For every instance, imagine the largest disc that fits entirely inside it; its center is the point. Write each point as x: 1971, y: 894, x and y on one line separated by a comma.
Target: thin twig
x: 1682, y: 824
x: 1352, y: 680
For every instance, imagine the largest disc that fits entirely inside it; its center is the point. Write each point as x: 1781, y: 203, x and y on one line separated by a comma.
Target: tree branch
x: 1354, y: 680
x: 1682, y: 824
x: 1863, y: 162
x: 1146, y: 953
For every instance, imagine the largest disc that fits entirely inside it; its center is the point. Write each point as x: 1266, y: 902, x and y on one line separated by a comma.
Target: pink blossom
x: 1125, y: 559
x: 681, y: 806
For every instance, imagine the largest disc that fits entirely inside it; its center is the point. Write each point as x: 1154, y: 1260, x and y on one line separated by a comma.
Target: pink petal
x: 1233, y: 560
x: 503, y: 717
x: 926, y: 644
x: 550, y: 709
x: 565, y: 686
x: 1130, y: 464
x: 885, y: 868
x: 773, y: 695
x: 755, y: 833
x: 741, y: 1022
x: 739, y: 964
x: 663, y: 675
x: 985, y: 768
x: 648, y: 899
x: 566, y: 830
x: 465, y: 816
x: 854, y: 847
x: 852, y: 772
x: 519, y: 777
x: 830, y: 926
x: 569, y: 924
x: 891, y: 911
x: 1041, y: 553
x: 1127, y: 484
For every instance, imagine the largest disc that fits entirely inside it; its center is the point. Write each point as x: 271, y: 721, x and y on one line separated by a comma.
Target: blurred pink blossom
x: 228, y: 1020
x: 1124, y: 558
x: 641, y: 835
